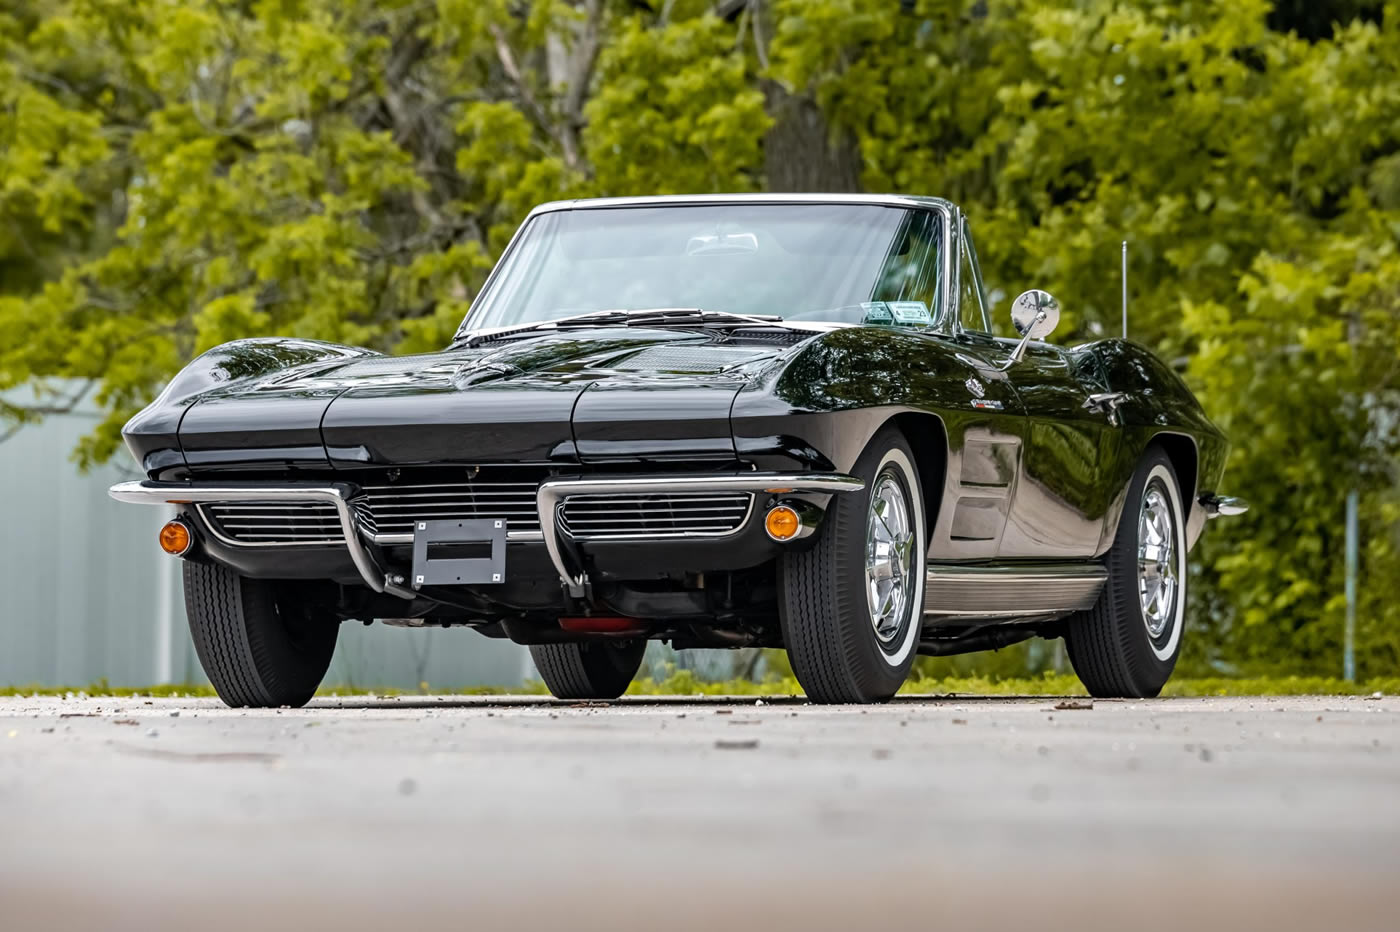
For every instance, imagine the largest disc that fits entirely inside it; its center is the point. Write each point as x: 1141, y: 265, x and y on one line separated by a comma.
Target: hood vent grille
x: 697, y: 360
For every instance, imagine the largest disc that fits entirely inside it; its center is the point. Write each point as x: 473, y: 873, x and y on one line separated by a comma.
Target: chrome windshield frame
x: 946, y: 210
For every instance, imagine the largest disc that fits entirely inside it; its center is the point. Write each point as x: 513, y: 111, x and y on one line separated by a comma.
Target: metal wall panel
x: 86, y: 595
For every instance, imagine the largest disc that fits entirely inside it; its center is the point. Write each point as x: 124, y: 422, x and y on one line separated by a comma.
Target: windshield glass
x: 798, y: 261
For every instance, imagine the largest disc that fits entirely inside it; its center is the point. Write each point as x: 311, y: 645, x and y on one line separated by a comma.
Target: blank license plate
x: 459, y: 553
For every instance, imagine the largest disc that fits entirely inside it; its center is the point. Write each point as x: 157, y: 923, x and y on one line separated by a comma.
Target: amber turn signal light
x: 175, y: 538
x: 782, y: 523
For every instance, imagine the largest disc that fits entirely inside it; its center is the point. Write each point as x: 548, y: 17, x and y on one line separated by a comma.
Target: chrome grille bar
x: 659, y: 516
x: 395, y: 507
x: 275, y: 524
x: 556, y: 495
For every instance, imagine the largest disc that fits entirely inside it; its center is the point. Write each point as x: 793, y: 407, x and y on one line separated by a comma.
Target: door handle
x: 1106, y: 402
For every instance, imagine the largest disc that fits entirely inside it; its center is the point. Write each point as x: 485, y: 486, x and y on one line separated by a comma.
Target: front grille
x: 387, y: 512
x: 395, y: 507
x: 274, y: 523
x: 684, y: 514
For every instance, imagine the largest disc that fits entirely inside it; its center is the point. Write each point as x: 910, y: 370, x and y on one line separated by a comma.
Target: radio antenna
x: 1125, y: 289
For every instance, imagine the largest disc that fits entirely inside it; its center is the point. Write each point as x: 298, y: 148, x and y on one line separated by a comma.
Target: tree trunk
x: 802, y: 153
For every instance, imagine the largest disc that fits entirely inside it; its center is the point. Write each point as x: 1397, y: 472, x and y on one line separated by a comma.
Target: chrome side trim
x: 1011, y: 591
x: 338, y: 494
x: 553, y: 492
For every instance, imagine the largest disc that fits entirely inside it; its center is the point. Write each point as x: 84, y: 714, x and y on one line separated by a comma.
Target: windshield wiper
x: 645, y: 317
x: 661, y: 316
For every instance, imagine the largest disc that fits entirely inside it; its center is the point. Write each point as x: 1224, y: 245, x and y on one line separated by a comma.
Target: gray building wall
x: 85, y: 593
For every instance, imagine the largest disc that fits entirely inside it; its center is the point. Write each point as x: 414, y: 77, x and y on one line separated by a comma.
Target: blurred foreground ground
x: 659, y: 814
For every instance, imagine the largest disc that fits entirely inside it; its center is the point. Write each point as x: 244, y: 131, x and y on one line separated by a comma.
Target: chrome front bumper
x: 337, y: 494
x: 549, y: 498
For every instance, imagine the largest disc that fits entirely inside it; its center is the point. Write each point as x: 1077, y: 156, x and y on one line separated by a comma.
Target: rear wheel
x: 588, y: 669
x: 1128, y: 643
x: 852, y: 605
x: 260, y: 643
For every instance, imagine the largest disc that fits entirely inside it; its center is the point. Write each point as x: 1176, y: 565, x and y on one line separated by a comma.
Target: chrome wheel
x: 1158, y: 580
x: 889, y: 549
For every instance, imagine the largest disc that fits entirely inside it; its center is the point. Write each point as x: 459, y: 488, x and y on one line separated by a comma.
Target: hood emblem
x: 976, y: 388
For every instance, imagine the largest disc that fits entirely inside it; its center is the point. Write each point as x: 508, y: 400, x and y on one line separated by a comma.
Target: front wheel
x: 851, y: 607
x: 1127, y: 644
x: 260, y: 644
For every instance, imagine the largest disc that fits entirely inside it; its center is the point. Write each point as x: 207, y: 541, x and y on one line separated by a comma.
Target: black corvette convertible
x: 774, y: 421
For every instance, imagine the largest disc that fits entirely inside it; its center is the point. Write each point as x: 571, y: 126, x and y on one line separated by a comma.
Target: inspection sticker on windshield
x: 877, y: 312
x: 910, y: 312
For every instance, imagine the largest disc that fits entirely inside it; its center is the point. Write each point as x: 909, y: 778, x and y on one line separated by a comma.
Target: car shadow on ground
x: 636, y: 702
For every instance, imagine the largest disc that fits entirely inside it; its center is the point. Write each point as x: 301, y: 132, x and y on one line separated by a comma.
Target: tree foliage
x: 177, y: 173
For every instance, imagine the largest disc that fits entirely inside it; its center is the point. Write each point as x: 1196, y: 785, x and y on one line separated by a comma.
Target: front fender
x: 818, y: 406
x: 152, y: 435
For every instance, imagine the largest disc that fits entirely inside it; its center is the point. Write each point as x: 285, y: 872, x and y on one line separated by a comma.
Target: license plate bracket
x: 470, y: 552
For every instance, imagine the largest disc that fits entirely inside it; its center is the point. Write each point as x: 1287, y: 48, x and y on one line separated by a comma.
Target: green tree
x: 178, y: 174
x: 175, y: 174
x: 1253, y: 171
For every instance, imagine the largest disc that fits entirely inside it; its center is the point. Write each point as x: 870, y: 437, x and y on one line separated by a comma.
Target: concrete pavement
x: 960, y: 813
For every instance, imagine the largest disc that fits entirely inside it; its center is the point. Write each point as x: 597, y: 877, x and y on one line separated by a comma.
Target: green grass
x: 684, y: 683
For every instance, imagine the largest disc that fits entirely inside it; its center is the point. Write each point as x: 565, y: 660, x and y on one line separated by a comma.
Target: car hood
x: 612, y: 394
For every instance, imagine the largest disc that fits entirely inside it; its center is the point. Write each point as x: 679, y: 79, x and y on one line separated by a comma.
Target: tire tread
x: 587, y: 671
x: 1107, y: 644
x: 233, y: 622
x: 820, y: 630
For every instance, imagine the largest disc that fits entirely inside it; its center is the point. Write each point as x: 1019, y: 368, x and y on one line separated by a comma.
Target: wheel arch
x: 929, y: 440
x: 1185, y: 459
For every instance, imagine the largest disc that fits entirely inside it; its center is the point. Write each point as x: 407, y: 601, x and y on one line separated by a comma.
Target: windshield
x: 817, y: 262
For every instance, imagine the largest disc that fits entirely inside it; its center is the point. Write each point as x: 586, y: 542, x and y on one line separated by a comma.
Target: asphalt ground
x: 956, y: 813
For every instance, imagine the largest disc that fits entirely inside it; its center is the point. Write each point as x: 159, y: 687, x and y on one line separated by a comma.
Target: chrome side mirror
x: 1035, y: 315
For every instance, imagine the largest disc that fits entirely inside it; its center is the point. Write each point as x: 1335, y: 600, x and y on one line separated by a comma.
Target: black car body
x: 597, y: 475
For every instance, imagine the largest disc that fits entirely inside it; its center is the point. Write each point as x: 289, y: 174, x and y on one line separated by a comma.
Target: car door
x: 984, y: 420
x: 1058, y: 501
